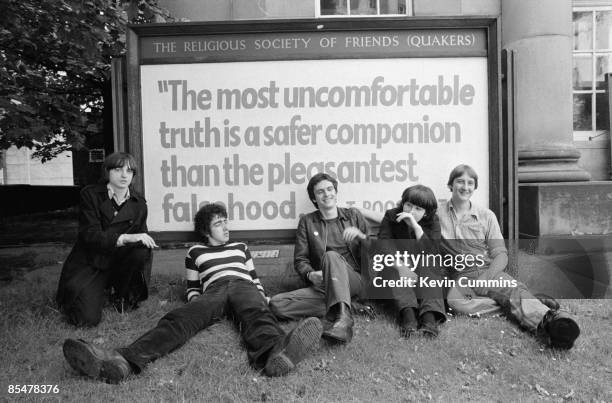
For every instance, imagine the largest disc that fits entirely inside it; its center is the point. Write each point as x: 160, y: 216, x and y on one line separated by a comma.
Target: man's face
x: 417, y: 212
x: 463, y: 187
x: 219, y: 231
x: 120, y: 177
x: 325, y: 195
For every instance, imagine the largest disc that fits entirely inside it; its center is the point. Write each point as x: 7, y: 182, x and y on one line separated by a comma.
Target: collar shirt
x: 476, y: 233
x: 113, y: 196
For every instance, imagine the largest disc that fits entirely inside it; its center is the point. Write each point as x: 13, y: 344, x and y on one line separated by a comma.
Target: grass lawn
x: 486, y: 359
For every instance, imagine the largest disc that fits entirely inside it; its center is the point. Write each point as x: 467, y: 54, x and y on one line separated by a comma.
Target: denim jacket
x: 310, y: 243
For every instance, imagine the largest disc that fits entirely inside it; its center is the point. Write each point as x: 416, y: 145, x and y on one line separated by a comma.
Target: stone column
x: 540, y: 35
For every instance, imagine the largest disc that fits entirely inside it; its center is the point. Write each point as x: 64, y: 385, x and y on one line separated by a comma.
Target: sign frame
x: 137, y: 34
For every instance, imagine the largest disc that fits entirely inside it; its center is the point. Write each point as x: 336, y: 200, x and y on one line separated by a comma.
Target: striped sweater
x: 205, y: 264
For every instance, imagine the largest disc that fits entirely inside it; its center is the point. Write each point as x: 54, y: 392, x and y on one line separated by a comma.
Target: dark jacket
x: 99, y: 229
x: 391, y: 229
x: 310, y: 244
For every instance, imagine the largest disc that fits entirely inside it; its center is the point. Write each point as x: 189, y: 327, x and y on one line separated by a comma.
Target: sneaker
x: 297, y: 345
x: 106, y: 365
x: 560, y: 329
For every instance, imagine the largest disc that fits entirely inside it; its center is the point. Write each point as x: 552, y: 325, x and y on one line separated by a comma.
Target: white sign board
x: 251, y: 134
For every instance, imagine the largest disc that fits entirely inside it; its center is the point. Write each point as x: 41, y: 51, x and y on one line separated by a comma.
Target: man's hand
x: 143, y: 238
x: 315, y: 277
x: 409, y: 220
x: 351, y: 233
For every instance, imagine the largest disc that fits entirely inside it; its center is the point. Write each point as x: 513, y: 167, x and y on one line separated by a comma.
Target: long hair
x: 118, y: 160
x: 423, y: 197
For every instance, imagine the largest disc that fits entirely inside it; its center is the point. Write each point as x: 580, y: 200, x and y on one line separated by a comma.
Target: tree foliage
x: 55, y: 58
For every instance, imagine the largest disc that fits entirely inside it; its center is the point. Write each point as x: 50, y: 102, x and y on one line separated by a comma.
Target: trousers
x: 128, y: 276
x: 423, y: 299
x: 236, y: 298
x: 340, y: 283
x: 517, y: 301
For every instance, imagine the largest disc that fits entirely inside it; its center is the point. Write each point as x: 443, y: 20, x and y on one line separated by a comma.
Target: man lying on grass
x: 221, y: 281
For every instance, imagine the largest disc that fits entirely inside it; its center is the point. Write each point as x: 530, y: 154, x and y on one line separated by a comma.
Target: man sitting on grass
x: 472, y: 231
x: 221, y: 281
x: 328, y: 256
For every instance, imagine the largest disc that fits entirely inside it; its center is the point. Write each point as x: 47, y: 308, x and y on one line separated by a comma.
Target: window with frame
x: 592, y: 60
x: 97, y: 155
x: 348, y: 8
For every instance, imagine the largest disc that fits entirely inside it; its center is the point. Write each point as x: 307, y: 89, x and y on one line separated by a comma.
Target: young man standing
x: 221, y: 281
x: 469, y: 229
x: 327, y: 255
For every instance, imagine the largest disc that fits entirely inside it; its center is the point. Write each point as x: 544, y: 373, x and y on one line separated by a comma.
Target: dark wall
x: 25, y: 199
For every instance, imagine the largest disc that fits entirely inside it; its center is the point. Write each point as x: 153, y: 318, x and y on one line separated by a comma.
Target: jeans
x: 517, y: 301
x: 233, y: 297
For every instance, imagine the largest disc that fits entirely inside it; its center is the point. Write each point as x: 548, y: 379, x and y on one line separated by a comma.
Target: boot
x: 429, y: 325
x: 342, y: 329
x: 559, y: 329
x: 408, y: 322
x: 105, y: 365
x: 301, y: 342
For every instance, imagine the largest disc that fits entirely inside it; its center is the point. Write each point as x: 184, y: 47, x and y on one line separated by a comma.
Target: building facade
x: 18, y: 167
x: 557, y: 54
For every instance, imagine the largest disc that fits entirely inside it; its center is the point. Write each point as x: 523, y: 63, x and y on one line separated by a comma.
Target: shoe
x: 408, y: 323
x: 297, y: 345
x: 106, y: 365
x: 408, y: 330
x: 327, y: 324
x: 550, y: 302
x: 342, y: 329
x: 429, y: 329
x: 560, y: 329
x: 429, y: 325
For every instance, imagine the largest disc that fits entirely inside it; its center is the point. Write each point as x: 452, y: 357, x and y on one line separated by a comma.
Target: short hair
x: 205, y: 216
x: 460, y: 170
x: 320, y: 177
x: 118, y: 160
x: 421, y: 196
